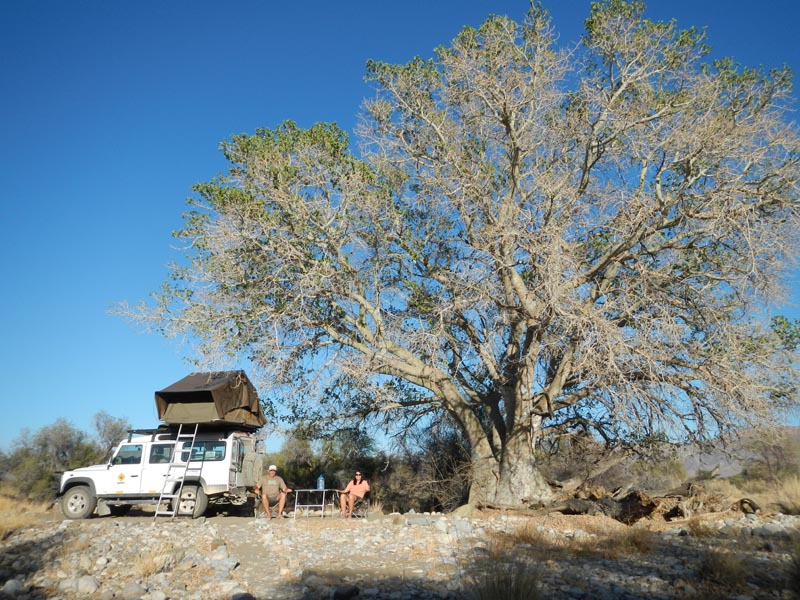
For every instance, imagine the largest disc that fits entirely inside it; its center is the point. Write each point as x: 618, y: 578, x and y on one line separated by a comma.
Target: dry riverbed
x: 399, y: 557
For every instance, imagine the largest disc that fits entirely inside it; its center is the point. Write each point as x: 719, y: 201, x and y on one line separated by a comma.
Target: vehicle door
x: 123, y: 475
x: 157, y: 467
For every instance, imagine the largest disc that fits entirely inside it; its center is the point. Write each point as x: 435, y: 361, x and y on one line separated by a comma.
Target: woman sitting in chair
x: 355, y: 490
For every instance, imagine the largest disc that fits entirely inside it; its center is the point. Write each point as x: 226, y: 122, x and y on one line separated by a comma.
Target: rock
x: 68, y: 585
x: 13, y: 587
x: 87, y: 585
x: 463, y: 526
x: 227, y: 588
x: 227, y: 564
x: 132, y: 591
x: 424, y: 557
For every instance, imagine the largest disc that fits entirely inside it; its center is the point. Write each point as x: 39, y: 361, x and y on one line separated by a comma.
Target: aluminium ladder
x: 177, y: 471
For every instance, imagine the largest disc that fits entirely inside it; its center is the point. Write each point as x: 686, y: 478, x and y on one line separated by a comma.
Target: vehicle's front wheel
x: 78, y: 502
x: 193, y: 501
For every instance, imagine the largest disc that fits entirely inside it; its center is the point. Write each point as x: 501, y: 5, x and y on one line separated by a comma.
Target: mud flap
x: 102, y: 508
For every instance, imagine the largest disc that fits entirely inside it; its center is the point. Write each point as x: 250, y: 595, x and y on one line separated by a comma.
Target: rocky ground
x: 399, y: 557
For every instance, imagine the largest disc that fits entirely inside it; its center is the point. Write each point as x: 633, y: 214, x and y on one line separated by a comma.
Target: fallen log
x: 627, y: 509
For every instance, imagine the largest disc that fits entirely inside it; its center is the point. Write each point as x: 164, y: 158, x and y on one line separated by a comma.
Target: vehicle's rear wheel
x: 193, y: 502
x: 78, y: 502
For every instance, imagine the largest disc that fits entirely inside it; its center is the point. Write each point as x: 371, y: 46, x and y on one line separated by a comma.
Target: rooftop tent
x: 223, y: 397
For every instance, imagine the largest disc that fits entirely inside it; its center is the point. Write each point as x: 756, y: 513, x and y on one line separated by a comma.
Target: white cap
x: 272, y: 468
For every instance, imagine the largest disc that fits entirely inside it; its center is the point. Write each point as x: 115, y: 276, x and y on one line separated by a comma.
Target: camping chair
x: 361, y: 507
x: 273, y: 509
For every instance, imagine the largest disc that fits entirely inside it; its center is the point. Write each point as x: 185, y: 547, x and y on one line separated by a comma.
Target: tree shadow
x: 344, y: 584
x: 22, y: 560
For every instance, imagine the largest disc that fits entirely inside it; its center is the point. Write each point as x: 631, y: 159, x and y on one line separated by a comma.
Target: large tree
x: 527, y: 236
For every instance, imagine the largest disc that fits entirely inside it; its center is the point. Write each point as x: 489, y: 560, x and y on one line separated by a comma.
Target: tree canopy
x: 37, y: 459
x: 524, y: 236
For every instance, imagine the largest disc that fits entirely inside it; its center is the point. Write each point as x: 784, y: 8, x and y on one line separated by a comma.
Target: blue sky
x: 112, y: 110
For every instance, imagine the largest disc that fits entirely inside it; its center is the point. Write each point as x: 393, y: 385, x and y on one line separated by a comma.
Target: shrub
x: 163, y: 560
x: 634, y: 540
x: 504, y: 581
x: 699, y: 528
x: 376, y: 507
x: 723, y: 568
x: 773, y: 455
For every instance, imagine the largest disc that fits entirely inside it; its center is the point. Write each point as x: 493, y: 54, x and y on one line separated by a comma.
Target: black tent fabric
x: 222, y: 397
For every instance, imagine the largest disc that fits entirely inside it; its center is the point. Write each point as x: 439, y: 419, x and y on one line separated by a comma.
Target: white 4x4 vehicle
x: 205, y: 451
x: 218, y: 466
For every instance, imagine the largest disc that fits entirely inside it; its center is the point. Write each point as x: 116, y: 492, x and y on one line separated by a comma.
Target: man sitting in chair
x: 273, y: 489
x: 355, y: 490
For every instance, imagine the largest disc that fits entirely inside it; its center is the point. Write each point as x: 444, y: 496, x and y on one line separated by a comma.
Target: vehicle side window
x: 205, y: 451
x: 161, y: 453
x: 129, y: 454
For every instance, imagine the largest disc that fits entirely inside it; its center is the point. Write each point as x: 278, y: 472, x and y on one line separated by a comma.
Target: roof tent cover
x: 223, y: 397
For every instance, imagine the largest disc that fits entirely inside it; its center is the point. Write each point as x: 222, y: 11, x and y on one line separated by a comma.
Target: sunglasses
x: 358, y: 474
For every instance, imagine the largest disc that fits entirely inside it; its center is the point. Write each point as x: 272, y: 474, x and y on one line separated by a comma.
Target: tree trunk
x: 513, y: 481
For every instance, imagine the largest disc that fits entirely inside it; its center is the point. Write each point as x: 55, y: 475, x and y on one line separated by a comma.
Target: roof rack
x: 149, y: 431
x: 172, y: 429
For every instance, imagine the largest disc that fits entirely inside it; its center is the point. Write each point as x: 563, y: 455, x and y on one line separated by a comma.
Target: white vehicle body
x: 218, y: 466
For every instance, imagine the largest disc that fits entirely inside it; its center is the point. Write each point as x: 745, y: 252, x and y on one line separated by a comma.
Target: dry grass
x: 699, y: 528
x: 722, y: 568
x: 630, y: 542
x: 72, y: 546
x: 788, y: 496
x: 724, y: 488
x: 783, y: 496
x: 603, y: 539
x: 376, y: 507
x: 528, y: 535
x: 161, y: 561
x: 18, y: 514
x: 735, y: 490
x: 506, y: 580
